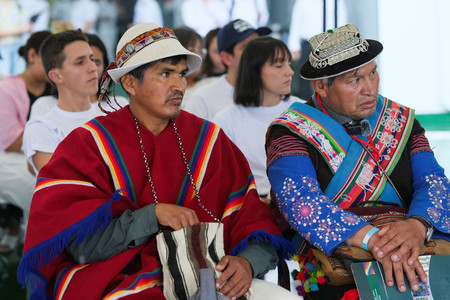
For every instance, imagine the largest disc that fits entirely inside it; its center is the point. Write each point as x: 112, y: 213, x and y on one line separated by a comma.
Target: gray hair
x: 329, y: 80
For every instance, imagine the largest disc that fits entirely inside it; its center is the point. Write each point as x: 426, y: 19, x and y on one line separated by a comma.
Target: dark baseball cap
x: 236, y: 31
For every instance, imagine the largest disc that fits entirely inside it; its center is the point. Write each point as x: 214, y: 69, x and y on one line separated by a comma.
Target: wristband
x: 366, y: 239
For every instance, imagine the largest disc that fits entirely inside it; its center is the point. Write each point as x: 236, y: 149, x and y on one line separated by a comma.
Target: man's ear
x: 320, y: 87
x: 226, y: 57
x: 128, y: 83
x: 55, y: 76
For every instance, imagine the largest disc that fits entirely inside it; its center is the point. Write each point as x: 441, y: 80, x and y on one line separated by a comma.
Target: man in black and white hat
x: 349, y: 146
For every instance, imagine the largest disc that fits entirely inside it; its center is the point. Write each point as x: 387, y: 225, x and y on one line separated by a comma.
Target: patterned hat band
x: 142, y: 41
x: 335, y: 46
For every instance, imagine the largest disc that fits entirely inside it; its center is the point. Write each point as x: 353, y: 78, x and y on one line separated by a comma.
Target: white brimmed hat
x: 145, y: 43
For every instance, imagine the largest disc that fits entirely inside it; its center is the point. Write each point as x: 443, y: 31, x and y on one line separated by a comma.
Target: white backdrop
x: 415, y: 62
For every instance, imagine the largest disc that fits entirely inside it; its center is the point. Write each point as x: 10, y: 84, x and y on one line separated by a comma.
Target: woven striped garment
x: 184, y: 252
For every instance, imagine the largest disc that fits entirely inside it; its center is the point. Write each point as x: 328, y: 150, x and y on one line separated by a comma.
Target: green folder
x: 369, y: 278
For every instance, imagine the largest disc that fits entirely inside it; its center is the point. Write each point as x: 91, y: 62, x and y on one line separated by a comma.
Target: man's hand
x: 236, y: 276
x: 174, y: 216
x: 405, y: 237
x: 402, y: 264
x: 397, y: 269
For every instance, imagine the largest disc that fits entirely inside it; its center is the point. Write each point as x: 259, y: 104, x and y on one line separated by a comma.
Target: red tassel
x: 351, y: 295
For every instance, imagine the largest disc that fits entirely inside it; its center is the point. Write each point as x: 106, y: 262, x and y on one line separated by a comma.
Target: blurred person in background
x: 60, y: 15
x: 84, y: 15
x: 13, y: 26
x: 204, y: 15
x: 17, y: 92
x: 107, y: 25
x: 147, y: 11
x: 253, y: 11
x: 37, y: 11
x: 192, y: 41
x: 261, y: 94
x: 212, y: 65
x: 308, y: 19
x: 232, y: 39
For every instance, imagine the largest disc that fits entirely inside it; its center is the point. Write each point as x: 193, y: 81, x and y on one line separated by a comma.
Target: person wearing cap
x: 349, y: 146
x: 114, y: 182
x: 208, y: 100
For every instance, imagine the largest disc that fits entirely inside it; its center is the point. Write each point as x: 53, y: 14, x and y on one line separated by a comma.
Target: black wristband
x: 422, y: 220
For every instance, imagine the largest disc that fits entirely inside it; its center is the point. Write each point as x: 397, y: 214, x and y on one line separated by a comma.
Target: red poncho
x: 98, y: 172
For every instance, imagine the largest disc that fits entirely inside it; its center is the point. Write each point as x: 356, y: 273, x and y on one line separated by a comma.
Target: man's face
x: 78, y: 71
x: 235, y: 58
x: 158, y: 97
x: 354, y: 94
x: 98, y: 60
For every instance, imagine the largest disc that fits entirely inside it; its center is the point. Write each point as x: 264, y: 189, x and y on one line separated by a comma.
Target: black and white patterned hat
x: 338, y: 51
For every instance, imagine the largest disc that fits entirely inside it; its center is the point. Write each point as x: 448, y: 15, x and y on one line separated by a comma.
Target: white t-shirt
x: 208, y: 100
x: 191, y: 90
x: 247, y: 127
x: 43, y: 104
x: 44, y: 133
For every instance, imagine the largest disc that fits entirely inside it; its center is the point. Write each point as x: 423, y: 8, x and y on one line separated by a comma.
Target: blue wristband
x: 366, y: 239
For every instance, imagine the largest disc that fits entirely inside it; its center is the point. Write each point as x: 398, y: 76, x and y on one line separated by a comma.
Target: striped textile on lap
x: 184, y: 252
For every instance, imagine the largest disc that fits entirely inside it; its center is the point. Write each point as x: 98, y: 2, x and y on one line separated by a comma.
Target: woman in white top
x: 261, y: 94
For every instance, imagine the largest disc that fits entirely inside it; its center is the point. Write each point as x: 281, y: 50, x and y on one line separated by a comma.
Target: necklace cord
x: 180, y: 144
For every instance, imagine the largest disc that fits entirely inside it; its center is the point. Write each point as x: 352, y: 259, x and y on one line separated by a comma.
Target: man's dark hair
x: 249, y: 85
x: 138, y: 73
x: 52, y: 49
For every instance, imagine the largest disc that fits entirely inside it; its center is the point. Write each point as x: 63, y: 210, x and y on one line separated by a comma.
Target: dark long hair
x: 249, y: 85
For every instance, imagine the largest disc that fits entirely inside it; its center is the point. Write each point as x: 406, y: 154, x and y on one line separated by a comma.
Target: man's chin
x: 175, y: 113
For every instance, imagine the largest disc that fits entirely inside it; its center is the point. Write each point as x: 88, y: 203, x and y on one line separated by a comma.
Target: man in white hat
x: 359, y: 152
x: 113, y: 183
